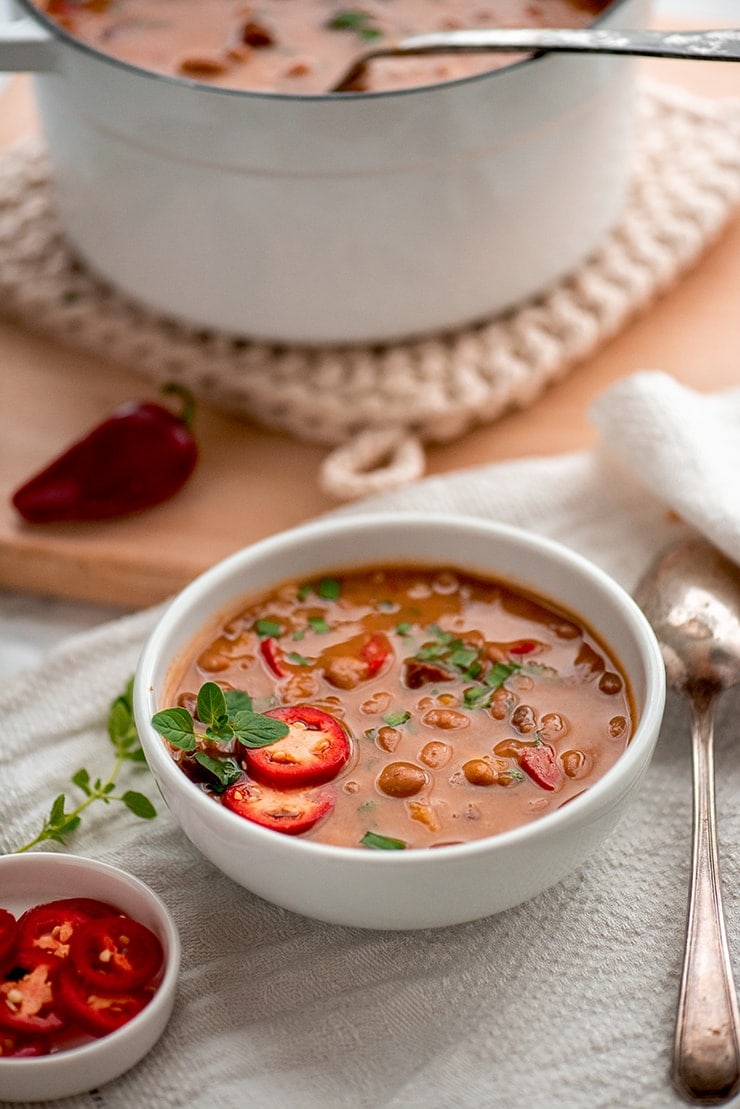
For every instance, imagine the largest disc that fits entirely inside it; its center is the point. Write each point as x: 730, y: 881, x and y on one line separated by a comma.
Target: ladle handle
x: 706, y: 1062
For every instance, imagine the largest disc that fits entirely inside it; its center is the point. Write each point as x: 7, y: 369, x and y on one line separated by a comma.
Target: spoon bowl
x: 691, y: 596
x: 713, y: 45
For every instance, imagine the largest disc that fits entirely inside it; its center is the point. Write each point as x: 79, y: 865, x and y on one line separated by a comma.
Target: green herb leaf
x: 82, y: 780
x: 297, y: 660
x: 354, y: 20
x: 211, y: 705
x: 499, y: 672
x: 252, y: 729
x: 224, y: 771
x: 268, y: 629
x: 395, y: 719
x: 139, y: 805
x: 382, y: 843
x: 318, y: 624
x: 329, y: 589
x: 236, y: 700
x: 176, y: 726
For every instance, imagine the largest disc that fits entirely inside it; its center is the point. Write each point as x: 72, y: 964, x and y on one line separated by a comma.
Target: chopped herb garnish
x: 354, y: 20
x: 395, y: 719
x: 267, y: 628
x: 382, y: 843
x: 404, y: 628
x: 499, y: 672
x: 318, y: 624
x: 329, y: 589
x: 298, y: 660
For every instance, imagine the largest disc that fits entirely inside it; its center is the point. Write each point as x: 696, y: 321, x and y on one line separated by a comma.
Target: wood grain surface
x: 251, y: 483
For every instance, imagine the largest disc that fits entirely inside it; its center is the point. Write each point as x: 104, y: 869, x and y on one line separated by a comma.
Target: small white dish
x: 27, y: 880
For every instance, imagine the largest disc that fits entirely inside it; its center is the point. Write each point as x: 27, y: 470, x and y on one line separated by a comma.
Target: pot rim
x: 63, y: 36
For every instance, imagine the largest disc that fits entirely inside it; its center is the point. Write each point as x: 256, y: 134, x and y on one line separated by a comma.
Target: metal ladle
x: 691, y: 596
x: 715, y: 45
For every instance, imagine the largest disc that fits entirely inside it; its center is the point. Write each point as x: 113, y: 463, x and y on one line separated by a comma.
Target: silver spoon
x: 715, y: 45
x: 691, y: 596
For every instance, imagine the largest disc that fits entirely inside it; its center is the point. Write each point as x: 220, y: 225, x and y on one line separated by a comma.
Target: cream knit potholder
x: 377, y: 406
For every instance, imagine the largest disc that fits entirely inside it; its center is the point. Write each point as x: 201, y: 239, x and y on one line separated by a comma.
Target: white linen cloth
x: 567, y: 1000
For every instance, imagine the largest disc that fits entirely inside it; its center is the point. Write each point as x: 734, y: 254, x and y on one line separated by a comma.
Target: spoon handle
x: 706, y: 1062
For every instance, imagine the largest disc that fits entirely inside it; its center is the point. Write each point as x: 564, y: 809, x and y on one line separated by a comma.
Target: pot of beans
x: 202, y: 166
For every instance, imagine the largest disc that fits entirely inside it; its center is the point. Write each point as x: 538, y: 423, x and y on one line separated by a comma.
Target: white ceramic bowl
x: 27, y: 880
x: 413, y: 889
x: 332, y: 219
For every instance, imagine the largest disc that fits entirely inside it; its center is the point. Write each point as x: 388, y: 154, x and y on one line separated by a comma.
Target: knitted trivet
x: 377, y: 406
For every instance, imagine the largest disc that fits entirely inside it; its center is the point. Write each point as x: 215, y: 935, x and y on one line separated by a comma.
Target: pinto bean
x: 610, y: 683
x: 401, y: 779
x: 435, y: 754
x: 524, y: 719
x: 345, y: 671
x: 479, y: 772
x: 447, y: 719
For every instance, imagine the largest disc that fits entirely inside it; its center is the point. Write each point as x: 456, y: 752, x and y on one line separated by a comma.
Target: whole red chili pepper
x: 140, y: 456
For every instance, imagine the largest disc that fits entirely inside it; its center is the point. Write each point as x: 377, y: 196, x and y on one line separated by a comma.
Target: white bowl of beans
x: 400, y: 721
x: 202, y: 167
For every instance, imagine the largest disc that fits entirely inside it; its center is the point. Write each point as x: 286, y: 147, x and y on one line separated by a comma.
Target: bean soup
x: 396, y: 707
x: 298, y: 46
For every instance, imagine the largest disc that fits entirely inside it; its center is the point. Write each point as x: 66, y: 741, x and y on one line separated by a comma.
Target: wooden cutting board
x: 250, y: 482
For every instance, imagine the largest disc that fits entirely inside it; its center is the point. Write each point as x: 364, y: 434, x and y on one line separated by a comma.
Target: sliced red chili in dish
x: 539, y: 763
x: 47, y: 929
x: 375, y: 651
x: 271, y: 653
x: 28, y: 1002
x: 115, y: 953
x: 14, y: 1045
x: 314, y: 750
x: 289, y: 811
x: 98, y: 1011
x: 8, y: 937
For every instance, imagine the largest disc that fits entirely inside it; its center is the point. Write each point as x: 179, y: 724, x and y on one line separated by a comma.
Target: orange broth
x: 471, y: 707
x: 298, y: 46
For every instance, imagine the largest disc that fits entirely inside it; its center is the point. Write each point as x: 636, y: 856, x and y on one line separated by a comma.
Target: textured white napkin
x: 567, y: 1000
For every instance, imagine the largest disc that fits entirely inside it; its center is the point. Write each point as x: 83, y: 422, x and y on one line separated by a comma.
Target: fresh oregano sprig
x: 226, y: 714
x: 122, y: 733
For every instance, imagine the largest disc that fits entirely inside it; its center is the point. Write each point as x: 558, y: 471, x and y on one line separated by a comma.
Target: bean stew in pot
x: 298, y: 46
x: 396, y: 707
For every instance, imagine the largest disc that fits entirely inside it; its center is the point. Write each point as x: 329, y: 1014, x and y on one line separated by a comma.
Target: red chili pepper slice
x: 540, y: 764
x: 115, y: 953
x: 45, y: 930
x: 375, y: 651
x: 98, y: 1011
x: 270, y: 651
x: 8, y: 937
x: 523, y: 647
x: 314, y: 750
x: 140, y: 456
x: 14, y: 1045
x: 28, y: 1003
x: 289, y: 811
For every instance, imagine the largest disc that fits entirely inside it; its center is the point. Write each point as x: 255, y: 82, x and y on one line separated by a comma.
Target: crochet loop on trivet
x: 686, y: 182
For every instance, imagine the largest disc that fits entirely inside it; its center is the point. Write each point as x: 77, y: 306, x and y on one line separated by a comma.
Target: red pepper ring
x: 97, y: 1011
x: 140, y: 456
x: 45, y: 930
x: 115, y: 953
x: 290, y: 811
x: 314, y: 750
x: 29, y: 1003
x: 8, y: 937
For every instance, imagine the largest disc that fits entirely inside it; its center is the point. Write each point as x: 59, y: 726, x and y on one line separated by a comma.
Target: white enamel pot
x: 332, y: 219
